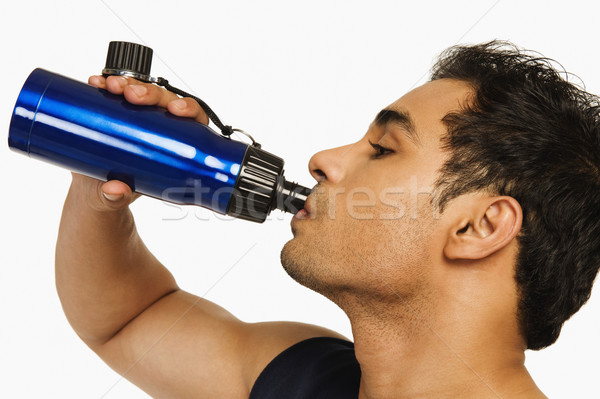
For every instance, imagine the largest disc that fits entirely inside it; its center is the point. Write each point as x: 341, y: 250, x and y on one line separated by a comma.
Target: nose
x: 329, y: 165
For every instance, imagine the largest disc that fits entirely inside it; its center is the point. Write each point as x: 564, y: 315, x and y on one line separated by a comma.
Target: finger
x: 115, y: 195
x: 97, y: 81
x: 148, y: 94
x: 188, y: 108
x: 116, y: 84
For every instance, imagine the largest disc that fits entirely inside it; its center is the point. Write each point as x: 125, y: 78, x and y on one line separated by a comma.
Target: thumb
x: 116, y: 195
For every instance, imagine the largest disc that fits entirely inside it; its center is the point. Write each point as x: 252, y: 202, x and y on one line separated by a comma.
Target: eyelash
x: 379, y: 150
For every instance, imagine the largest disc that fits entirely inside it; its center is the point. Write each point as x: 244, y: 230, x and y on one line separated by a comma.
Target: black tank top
x: 317, y: 368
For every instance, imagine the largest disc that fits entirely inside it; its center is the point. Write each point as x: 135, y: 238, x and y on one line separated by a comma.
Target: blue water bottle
x: 91, y: 131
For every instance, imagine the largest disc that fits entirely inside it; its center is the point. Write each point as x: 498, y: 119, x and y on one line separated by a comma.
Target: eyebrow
x: 401, y: 118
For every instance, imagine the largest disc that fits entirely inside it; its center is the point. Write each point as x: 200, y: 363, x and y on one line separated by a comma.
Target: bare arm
x: 105, y: 275
x: 126, y: 306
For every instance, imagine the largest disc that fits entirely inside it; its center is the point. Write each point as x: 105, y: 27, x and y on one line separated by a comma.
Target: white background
x: 301, y: 77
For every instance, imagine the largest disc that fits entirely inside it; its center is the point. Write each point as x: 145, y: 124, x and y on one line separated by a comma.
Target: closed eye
x: 379, y: 150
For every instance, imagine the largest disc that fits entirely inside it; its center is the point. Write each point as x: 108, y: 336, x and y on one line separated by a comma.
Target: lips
x: 301, y: 214
x: 306, y: 212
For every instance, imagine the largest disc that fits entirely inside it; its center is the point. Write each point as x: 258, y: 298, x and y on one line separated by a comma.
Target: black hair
x: 530, y: 134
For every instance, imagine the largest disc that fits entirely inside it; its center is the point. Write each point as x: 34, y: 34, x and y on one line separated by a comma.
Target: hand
x: 140, y: 93
x: 114, y: 194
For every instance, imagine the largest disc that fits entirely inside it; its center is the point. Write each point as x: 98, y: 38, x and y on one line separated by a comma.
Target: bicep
x: 181, y: 346
x: 185, y: 346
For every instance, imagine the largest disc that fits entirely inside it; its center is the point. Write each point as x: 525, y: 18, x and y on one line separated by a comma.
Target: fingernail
x: 122, y: 81
x: 181, y: 104
x: 112, y: 197
x: 139, y: 90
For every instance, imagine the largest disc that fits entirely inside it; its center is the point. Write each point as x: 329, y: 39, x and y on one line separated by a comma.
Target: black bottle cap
x: 256, y: 185
x: 261, y: 187
x: 129, y: 59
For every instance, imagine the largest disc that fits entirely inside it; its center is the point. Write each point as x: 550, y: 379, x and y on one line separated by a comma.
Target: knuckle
x: 163, y: 93
x: 192, y: 105
x: 163, y: 96
x: 132, y: 81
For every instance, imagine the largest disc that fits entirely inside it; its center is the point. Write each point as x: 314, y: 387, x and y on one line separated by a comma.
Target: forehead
x: 428, y: 104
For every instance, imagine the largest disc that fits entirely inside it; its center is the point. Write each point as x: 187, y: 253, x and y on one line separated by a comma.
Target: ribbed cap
x: 255, y: 188
x: 130, y: 57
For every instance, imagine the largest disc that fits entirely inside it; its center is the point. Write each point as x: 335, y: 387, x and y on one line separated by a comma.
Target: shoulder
x: 265, y: 341
x: 316, y: 368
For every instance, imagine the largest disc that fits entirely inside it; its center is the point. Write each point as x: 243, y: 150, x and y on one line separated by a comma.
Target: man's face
x: 369, y: 228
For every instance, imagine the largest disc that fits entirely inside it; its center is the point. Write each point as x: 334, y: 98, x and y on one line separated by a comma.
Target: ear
x: 491, y: 223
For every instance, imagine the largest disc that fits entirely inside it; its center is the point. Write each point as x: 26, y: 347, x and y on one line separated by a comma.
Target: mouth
x: 301, y: 214
x: 306, y: 212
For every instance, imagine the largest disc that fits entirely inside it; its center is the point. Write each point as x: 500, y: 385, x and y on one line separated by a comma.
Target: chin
x: 300, y: 263
x: 293, y: 260
x: 309, y: 265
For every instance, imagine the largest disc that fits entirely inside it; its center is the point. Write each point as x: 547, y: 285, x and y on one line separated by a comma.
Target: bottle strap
x: 226, y: 130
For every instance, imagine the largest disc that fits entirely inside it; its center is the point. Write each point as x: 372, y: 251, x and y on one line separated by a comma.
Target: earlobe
x: 493, y: 223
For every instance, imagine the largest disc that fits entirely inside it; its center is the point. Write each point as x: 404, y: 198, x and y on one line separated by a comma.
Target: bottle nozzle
x: 290, y: 196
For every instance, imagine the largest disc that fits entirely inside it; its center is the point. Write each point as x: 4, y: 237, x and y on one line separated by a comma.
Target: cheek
x: 388, y: 203
x: 400, y: 253
x: 363, y: 215
x: 389, y: 259
x: 392, y: 227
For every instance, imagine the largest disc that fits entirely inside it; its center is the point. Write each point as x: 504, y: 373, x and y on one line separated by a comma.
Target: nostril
x: 320, y: 175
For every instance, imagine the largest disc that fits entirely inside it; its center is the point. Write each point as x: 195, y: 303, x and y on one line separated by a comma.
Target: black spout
x: 290, y: 196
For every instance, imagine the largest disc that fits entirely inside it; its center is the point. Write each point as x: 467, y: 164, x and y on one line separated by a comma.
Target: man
x: 444, y: 291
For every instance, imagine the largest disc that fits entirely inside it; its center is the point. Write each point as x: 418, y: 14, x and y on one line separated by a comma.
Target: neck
x: 409, y: 351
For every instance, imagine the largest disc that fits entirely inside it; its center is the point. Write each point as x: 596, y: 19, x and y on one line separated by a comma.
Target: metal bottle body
x: 91, y: 131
